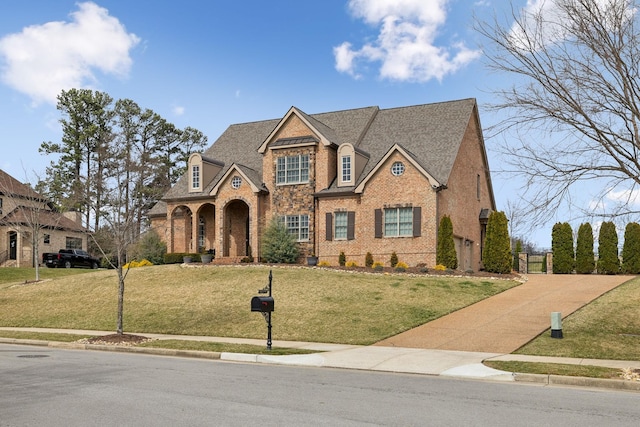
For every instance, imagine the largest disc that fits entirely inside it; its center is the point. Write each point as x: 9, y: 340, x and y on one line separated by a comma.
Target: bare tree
x: 573, y: 113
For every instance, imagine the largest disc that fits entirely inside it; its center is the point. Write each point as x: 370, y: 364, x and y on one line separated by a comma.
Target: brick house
x: 22, y: 210
x: 353, y: 181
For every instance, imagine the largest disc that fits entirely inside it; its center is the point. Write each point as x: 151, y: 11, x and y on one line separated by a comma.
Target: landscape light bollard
x: 556, y: 324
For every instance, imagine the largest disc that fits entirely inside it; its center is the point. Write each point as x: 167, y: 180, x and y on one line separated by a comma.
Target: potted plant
x: 206, y: 257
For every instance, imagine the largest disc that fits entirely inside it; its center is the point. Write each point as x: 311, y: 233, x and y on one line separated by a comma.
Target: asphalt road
x: 52, y: 387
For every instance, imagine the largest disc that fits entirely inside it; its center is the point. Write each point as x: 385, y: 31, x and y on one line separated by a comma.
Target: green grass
x: 22, y: 275
x: 314, y: 305
x: 555, y: 369
x: 42, y: 336
x: 608, y: 328
x: 223, y: 347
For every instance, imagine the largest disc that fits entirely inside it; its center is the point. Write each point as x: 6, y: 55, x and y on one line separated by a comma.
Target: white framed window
x: 236, y: 181
x: 397, y: 168
x: 398, y: 222
x: 195, y: 176
x: 346, y: 168
x: 292, y: 169
x: 340, y: 228
x: 297, y: 225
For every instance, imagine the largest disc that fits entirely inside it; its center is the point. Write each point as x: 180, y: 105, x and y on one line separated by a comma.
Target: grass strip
x: 555, y: 369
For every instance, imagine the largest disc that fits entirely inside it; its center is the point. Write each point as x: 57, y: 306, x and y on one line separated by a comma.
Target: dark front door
x: 13, y: 245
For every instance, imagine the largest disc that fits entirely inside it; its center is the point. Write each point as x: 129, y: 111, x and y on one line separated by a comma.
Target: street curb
x: 611, y: 384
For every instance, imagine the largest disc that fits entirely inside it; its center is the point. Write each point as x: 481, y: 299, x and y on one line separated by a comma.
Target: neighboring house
x: 25, y: 214
x: 353, y: 181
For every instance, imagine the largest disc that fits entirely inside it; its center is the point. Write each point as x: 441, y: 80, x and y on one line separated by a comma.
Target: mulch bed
x: 117, y: 339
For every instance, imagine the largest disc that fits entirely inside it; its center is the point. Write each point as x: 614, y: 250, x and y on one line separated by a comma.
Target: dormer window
x: 346, y: 169
x: 195, y: 177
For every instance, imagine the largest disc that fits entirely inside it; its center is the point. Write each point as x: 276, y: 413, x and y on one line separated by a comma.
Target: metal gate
x: 536, y: 263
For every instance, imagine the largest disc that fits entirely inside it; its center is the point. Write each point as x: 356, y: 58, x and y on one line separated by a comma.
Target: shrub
x: 378, y: 266
x: 368, y: 260
x: 401, y: 266
x: 608, y: 262
x: 585, y: 258
x: 497, y: 252
x: 351, y: 264
x: 440, y: 267
x: 134, y: 264
x: 562, y: 248
x: 177, y: 257
x: 323, y: 264
x: 342, y: 259
x: 631, y: 249
x: 446, y: 250
x: 394, y: 259
x: 150, y: 247
x: 278, y: 245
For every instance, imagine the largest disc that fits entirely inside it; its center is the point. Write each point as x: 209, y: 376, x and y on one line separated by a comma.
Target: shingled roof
x: 431, y: 133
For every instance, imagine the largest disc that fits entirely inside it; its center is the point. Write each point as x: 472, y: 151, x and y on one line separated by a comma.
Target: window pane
x: 304, y: 168
x: 195, y: 181
x: 280, y: 170
x: 346, y: 168
x: 406, y: 222
x: 391, y: 222
x: 293, y: 169
x: 304, y: 227
x: 341, y: 225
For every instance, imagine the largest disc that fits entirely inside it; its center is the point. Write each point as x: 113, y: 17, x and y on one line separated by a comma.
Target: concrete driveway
x: 507, y: 321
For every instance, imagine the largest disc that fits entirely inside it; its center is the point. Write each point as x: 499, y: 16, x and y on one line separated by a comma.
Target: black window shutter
x: 378, y: 223
x: 329, y: 217
x: 417, y: 218
x: 351, y: 225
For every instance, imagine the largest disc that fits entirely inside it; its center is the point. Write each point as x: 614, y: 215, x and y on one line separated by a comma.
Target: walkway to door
x: 507, y: 321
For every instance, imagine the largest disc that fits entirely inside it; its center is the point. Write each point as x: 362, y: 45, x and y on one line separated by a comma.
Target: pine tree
x: 585, y: 258
x: 608, y: 261
x: 562, y: 248
x: 446, y: 250
x: 516, y: 255
x: 631, y: 249
x: 278, y: 245
x: 497, y: 251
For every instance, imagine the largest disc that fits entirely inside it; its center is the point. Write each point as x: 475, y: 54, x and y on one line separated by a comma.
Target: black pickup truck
x: 69, y: 258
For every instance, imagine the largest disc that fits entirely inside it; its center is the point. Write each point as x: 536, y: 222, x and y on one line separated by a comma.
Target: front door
x: 13, y: 245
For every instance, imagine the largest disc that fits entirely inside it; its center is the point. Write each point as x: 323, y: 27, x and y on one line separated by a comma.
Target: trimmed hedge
x: 562, y: 248
x: 585, y: 257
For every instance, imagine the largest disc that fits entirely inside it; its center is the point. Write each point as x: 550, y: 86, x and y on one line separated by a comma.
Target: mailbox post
x: 265, y: 305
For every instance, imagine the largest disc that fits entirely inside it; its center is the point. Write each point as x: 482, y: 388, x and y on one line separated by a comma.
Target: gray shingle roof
x: 432, y: 133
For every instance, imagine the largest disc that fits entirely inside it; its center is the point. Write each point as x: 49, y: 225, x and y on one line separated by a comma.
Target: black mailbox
x: 262, y: 304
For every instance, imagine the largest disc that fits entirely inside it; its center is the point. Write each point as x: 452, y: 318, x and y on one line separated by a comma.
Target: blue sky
x: 209, y: 64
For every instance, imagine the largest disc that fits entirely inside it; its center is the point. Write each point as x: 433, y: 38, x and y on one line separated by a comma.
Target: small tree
x: 516, y: 255
x: 342, y: 259
x: 631, y: 249
x: 497, y: 251
x: 562, y: 248
x: 394, y: 259
x: 446, y: 250
x: 608, y: 261
x: 278, y: 245
x: 150, y: 247
x: 368, y: 260
x: 585, y: 258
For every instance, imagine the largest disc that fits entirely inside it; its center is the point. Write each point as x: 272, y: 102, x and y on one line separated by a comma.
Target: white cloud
x: 178, y: 110
x: 43, y: 59
x: 406, y: 44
